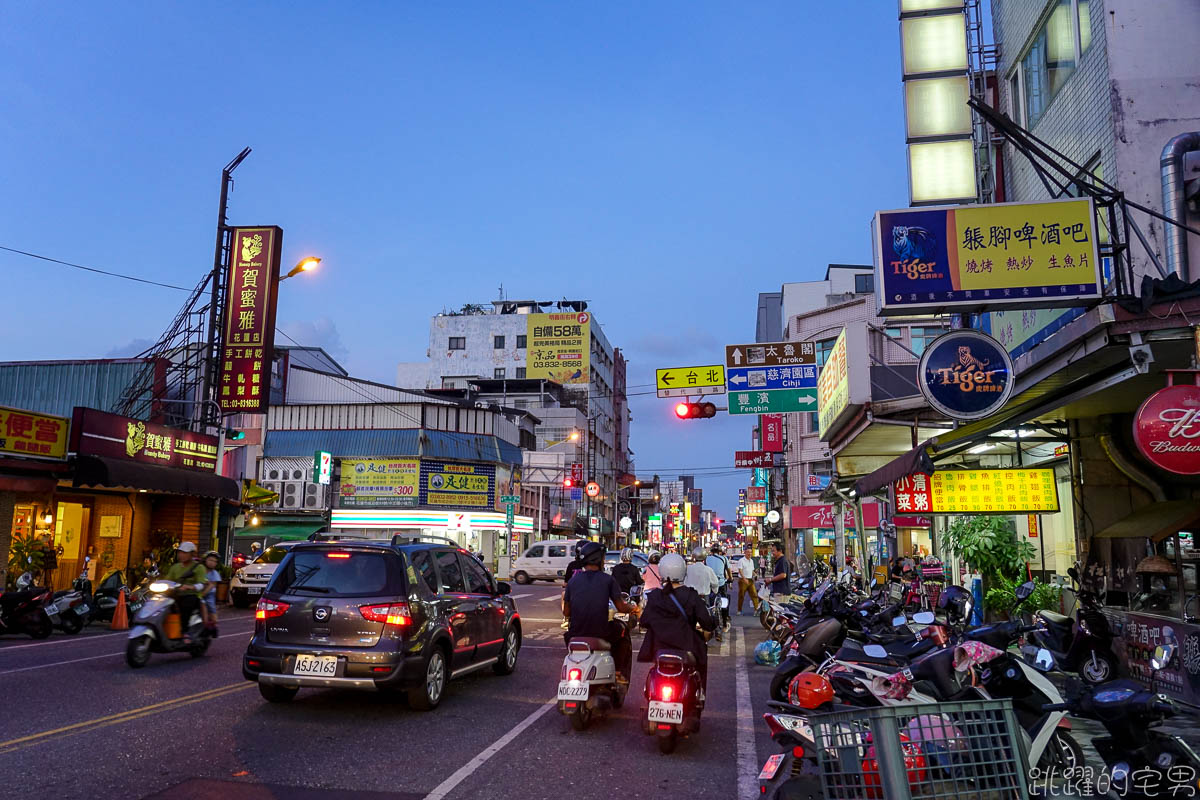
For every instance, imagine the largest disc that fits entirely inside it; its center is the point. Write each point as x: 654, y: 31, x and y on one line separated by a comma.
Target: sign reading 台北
x: 1166, y: 428
x: 559, y: 347
x: 772, y: 433
x: 685, y: 381
x: 965, y: 374
x: 752, y: 458
x: 25, y: 433
x: 978, y: 491
x: 99, y: 433
x: 446, y: 483
x: 979, y: 257
x: 248, y: 333
x: 379, y: 483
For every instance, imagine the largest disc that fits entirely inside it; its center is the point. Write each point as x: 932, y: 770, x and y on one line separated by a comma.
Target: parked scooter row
x: 37, y: 612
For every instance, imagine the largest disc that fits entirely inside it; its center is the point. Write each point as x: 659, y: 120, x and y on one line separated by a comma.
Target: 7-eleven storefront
x: 478, y: 531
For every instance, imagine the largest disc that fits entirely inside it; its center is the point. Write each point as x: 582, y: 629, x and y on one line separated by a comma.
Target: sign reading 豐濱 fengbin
x: 965, y: 374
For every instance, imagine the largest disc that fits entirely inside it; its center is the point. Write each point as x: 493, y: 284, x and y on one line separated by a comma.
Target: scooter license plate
x: 771, y: 767
x: 325, y: 666
x: 253, y: 589
x: 572, y: 690
x: 666, y: 712
x: 82, y: 608
x: 51, y: 609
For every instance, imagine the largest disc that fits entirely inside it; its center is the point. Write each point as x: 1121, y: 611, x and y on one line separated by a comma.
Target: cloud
x: 129, y: 349
x: 678, y: 344
x: 320, y: 332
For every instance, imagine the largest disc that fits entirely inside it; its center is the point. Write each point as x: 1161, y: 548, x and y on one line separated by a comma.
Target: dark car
x: 360, y: 614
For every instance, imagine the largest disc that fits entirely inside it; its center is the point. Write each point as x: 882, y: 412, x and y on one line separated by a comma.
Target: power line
x: 95, y: 269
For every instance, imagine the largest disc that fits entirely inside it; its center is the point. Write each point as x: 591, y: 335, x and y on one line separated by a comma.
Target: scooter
x: 157, y: 627
x: 674, y: 698
x: 71, y: 609
x: 23, y: 609
x: 108, y: 595
x: 1082, y: 645
x: 588, y: 686
x: 1141, y: 761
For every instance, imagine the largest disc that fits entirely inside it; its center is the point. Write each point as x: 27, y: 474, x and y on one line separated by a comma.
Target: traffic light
x: 695, y: 410
x: 567, y: 484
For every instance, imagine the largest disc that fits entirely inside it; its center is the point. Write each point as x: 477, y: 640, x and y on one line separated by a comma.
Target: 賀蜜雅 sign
x: 248, y: 337
x: 979, y: 257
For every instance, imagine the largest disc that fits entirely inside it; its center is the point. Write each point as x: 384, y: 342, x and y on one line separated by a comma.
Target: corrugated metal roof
x: 56, y: 387
x: 384, y: 443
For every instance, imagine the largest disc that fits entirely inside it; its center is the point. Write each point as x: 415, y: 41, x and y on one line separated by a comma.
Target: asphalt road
x: 79, y: 723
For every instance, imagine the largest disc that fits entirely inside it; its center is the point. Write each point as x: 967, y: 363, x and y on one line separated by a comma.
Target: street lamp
x: 573, y: 437
x: 305, y: 265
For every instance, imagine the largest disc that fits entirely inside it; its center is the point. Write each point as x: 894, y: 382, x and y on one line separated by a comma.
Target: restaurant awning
x: 282, y: 531
x: 1156, y: 521
x: 117, y: 473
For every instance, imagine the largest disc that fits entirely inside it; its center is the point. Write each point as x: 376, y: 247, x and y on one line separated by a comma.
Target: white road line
x: 548, y: 599
x: 60, y: 663
x: 75, y: 640
x: 556, y: 620
x: 516, y: 596
x: 445, y: 787
x: 747, y: 756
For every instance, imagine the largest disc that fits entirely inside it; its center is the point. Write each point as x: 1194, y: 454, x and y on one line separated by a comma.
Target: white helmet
x: 698, y: 554
x: 627, y: 554
x: 187, y: 547
x: 672, y: 568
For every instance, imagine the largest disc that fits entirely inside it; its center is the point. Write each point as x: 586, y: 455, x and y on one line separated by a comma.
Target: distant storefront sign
x: 772, y: 433
x: 844, y: 382
x: 817, y: 483
x: 248, y: 337
x: 25, y: 433
x: 756, y: 494
x: 559, y: 347
x: 379, y: 483
x: 99, y: 433
x: 979, y: 257
x: 822, y: 516
x: 965, y: 374
x: 752, y: 458
x: 978, y: 491
x: 1167, y: 426
x: 445, y: 483
x: 322, y: 467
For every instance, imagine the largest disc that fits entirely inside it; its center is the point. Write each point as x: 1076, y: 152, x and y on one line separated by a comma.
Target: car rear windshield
x: 272, y: 555
x: 336, y: 574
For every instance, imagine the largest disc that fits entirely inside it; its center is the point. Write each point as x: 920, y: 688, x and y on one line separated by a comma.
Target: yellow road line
x: 122, y: 716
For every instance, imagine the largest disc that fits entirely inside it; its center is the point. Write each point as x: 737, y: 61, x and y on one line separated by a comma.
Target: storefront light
x: 908, y: 6
x: 933, y: 44
x: 941, y: 171
x: 49, y: 518
x: 937, y: 107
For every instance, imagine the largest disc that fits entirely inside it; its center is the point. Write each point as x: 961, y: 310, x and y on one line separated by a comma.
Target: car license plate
x: 82, y: 608
x: 666, y: 712
x: 253, y: 589
x: 572, y: 690
x: 325, y: 666
x: 771, y: 767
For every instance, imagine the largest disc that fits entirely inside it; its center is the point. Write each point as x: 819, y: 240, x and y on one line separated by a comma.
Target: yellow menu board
x: 993, y: 491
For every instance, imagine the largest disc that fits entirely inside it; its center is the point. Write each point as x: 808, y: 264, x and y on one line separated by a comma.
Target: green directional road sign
x: 509, y: 498
x: 508, y: 515
x: 774, y: 402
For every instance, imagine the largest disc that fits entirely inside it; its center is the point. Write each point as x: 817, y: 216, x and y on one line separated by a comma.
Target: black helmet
x: 715, y: 549
x: 958, y: 603
x: 579, y: 548
x: 591, y: 553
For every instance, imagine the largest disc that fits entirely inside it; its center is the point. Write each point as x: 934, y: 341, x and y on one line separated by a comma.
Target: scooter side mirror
x: 874, y: 582
x: 875, y: 651
x: 1044, y: 660
x: 898, y: 621
x: 1024, y: 590
x: 1074, y: 573
x: 1162, y: 656
x: 924, y: 618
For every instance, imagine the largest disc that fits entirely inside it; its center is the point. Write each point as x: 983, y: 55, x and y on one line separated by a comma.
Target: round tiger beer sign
x: 965, y: 374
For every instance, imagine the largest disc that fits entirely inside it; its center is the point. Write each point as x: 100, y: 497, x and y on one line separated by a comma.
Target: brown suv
x: 373, y: 615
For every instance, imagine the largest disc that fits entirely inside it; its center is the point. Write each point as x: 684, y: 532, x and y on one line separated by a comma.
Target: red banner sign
x: 1167, y: 428
x: 249, y: 325
x: 772, y: 433
x: 753, y: 458
x: 756, y: 493
x: 99, y: 433
x: 912, y: 493
x: 821, y: 516
x: 576, y: 474
x: 911, y: 522
x: 1033, y: 526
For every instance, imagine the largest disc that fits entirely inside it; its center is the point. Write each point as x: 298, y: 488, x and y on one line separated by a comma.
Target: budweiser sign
x: 1167, y: 428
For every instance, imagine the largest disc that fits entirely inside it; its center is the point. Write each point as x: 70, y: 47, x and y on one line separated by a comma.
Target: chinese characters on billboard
x: 24, y: 433
x: 833, y: 385
x: 390, y: 482
x: 99, y: 433
x: 1014, y: 255
x: 249, y: 325
x: 978, y: 491
x: 455, y: 484
x: 559, y: 347
x: 772, y: 433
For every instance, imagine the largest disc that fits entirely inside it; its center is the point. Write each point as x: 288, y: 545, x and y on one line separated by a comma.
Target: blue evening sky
x: 665, y: 161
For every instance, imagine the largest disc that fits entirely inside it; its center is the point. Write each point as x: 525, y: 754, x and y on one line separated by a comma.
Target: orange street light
x: 305, y: 265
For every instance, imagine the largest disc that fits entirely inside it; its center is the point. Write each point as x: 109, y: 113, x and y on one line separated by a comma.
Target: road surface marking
x: 548, y: 599
x: 121, y: 716
x: 515, y: 596
x: 747, y: 756
x: 556, y: 620
x: 445, y: 787
x: 90, y: 658
x: 81, y: 639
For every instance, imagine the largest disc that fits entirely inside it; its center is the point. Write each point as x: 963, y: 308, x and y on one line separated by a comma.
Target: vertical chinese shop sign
x: 249, y: 325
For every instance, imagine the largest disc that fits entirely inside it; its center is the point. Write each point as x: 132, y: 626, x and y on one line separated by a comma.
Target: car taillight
x: 270, y: 608
x: 667, y: 692
x: 575, y: 675
x: 387, y: 613
x: 337, y: 555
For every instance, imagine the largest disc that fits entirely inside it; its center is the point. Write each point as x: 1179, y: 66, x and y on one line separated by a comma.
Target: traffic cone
x: 120, y: 620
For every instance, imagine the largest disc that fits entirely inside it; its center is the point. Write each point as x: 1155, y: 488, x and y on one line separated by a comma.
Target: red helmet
x: 810, y: 690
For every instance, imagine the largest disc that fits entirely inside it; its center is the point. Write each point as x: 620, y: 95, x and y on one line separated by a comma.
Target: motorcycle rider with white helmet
x: 626, y: 574
x: 701, y: 577
x: 672, y: 614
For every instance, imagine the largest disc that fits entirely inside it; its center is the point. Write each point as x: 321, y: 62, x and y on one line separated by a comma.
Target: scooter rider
x: 191, y: 577
x: 585, y: 605
x: 672, y: 614
x: 719, y: 564
x: 626, y: 574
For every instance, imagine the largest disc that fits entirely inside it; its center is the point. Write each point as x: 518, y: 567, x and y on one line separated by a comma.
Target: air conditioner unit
x: 314, y: 496
x: 291, y: 494
x: 273, y: 486
x: 275, y: 475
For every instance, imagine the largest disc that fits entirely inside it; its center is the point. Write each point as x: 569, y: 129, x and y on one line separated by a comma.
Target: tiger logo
x: 911, y: 241
x: 968, y: 362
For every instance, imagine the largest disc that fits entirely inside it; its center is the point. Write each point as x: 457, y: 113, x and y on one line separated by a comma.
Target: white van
x: 545, y: 561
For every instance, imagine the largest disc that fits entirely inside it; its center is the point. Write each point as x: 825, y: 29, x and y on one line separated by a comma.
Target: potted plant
x: 989, y: 544
x: 223, y: 587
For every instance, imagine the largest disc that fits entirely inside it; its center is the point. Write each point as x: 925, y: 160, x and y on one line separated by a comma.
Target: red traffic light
x: 695, y: 410
x: 567, y: 483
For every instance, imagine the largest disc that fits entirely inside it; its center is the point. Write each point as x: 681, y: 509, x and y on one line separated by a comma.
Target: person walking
x: 746, y: 569
x: 779, y: 580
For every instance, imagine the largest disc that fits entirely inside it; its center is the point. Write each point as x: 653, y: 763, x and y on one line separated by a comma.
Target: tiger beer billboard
x: 986, y: 257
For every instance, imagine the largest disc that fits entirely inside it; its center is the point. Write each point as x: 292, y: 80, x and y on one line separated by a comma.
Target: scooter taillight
x: 667, y: 692
x: 575, y: 675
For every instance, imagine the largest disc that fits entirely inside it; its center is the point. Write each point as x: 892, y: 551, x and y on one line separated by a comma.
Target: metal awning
x: 1156, y: 521
x: 282, y: 531
x: 118, y: 473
